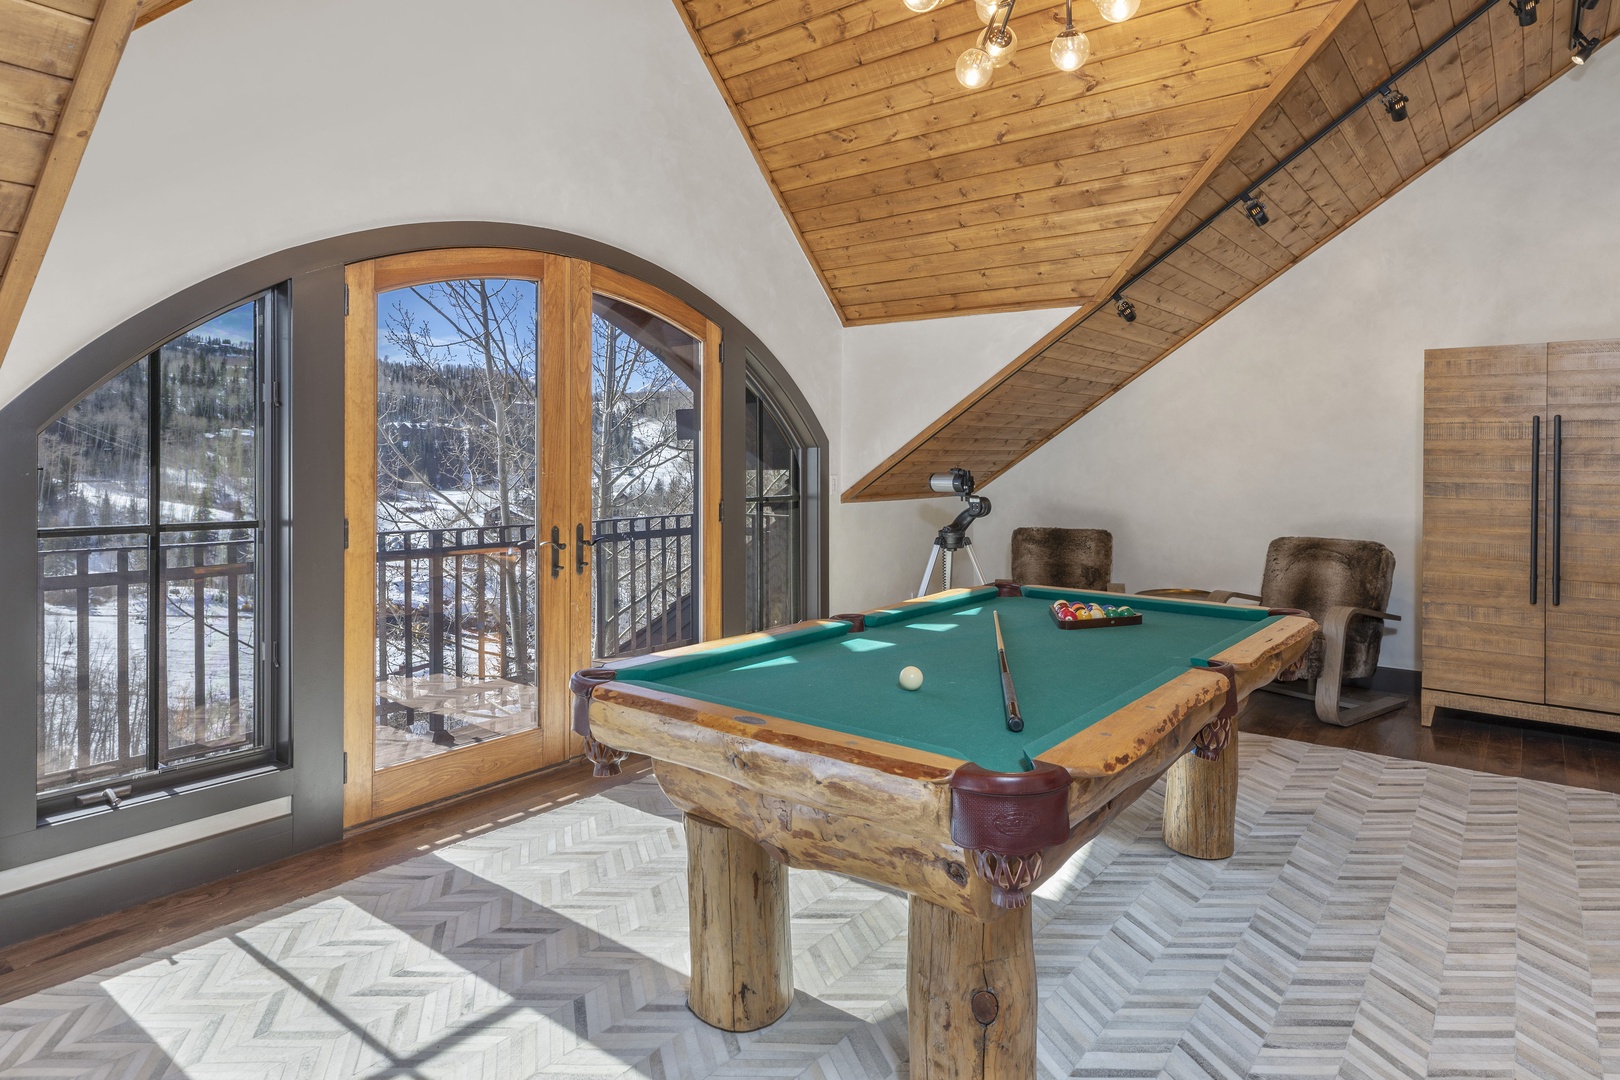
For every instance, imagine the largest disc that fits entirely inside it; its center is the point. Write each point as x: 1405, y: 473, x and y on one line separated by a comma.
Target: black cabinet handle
x: 1558, y: 511
x: 1535, y: 507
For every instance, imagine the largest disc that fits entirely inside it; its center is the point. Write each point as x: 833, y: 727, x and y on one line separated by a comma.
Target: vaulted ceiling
x: 915, y: 197
x: 1184, y: 274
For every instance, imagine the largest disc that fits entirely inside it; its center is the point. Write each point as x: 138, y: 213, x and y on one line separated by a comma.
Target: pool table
x: 798, y: 748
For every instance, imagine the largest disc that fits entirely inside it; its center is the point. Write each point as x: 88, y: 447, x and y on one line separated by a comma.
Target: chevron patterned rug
x: 1382, y: 918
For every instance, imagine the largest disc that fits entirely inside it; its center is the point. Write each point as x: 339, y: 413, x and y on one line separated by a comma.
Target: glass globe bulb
x: 987, y: 9
x: 1001, y: 43
x: 1070, y: 50
x: 1117, y: 11
x: 974, y: 68
x: 920, y: 6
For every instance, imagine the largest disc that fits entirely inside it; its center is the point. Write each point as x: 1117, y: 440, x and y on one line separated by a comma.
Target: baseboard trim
x: 1394, y: 680
x: 75, y: 863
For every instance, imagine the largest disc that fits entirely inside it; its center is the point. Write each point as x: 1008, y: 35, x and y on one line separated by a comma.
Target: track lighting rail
x: 1250, y: 194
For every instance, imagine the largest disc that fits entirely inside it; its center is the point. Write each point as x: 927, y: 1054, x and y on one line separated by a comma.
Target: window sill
x: 68, y: 816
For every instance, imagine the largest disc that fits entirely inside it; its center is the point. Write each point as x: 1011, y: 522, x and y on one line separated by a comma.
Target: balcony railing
x: 645, y: 584
x: 95, y: 639
x: 460, y: 602
x: 454, y: 602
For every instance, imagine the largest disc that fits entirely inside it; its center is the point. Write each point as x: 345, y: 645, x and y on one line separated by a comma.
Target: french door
x: 531, y: 476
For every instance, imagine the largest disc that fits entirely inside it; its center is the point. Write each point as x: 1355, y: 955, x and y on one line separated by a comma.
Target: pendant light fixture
x: 1071, y: 48
x: 1117, y: 11
x: 997, y: 43
x: 1000, y: 42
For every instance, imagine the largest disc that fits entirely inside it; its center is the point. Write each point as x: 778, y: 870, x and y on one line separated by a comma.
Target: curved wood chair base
x: 1335, y: 707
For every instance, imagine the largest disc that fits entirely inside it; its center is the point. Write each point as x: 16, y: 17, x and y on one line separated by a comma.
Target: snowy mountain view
x: 147, y: 488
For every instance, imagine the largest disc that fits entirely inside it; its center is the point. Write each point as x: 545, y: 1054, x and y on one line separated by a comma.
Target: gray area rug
x: 1381, y: 918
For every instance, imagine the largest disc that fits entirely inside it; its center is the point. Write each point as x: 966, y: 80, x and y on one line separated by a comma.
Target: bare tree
x: 640, y: 467
x: 457, y: 419
x: 457, y: 433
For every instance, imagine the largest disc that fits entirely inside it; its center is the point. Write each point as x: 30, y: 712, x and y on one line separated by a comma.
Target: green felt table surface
x: 829, y: 676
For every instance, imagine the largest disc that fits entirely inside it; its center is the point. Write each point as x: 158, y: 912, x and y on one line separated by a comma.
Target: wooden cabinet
x: 1521, y: 532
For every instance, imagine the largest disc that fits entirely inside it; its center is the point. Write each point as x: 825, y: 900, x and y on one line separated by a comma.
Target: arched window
x: 155, y: 490
x: 154, y: 666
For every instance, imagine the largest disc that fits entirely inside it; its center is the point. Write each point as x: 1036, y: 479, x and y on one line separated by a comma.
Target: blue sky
x: 526, y: 293
x: 234, y: 326
x: 440, y: 331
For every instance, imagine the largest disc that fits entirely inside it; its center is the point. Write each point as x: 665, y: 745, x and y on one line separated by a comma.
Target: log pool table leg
x: 1200, y: 804
x: 970, y: 993
x: 742, y: 960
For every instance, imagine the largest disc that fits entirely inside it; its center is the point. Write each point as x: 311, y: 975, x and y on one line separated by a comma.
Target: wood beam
x: 105, y: 47
x: 156, y: 9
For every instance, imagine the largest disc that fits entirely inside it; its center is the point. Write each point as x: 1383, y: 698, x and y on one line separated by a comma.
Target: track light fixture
x: 1256, y: 210
x: 1582, y: 45
x: 1393, y: 100
x: 1394, y: 103
x: 1124, y: 308
x: 1525, y: 10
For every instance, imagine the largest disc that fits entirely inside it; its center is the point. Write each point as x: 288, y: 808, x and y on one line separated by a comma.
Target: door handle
x: 557, y: 548
x: 1535, y: 507
x: 581, y: 545
x: 1558, y: 511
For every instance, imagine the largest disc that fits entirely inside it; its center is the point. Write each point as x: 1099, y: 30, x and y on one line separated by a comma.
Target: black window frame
x: 272, y: 747
x: 798, y: 501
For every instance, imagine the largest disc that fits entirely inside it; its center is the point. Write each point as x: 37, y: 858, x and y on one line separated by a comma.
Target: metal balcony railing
x: 95, y: 640
x: 454, y: 602
x: 646, y: 577
x: 460, y: 602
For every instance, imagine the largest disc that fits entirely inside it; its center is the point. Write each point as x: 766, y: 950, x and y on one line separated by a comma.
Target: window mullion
x: 156, y: 598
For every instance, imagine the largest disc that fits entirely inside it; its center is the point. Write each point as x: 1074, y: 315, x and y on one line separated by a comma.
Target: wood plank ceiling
x: 57, y: 58
x: 1457, y: 93
x: 914, y: 197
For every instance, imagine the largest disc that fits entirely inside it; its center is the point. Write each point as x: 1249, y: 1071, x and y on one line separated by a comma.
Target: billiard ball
x: 910, y: 678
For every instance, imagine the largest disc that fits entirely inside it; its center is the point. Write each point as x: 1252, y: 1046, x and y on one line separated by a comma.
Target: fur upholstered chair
x: 1063, y: 558
x: 1345, y: 585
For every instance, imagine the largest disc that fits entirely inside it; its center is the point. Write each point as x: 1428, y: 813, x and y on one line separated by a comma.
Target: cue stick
x: 1009, y: 696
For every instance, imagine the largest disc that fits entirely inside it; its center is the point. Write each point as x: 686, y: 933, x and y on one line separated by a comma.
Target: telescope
x: 955, y: 482
x: 953, y: 537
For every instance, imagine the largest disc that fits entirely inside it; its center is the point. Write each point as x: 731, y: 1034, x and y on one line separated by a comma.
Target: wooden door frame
x: 689, y: 320
x: 563, y: 354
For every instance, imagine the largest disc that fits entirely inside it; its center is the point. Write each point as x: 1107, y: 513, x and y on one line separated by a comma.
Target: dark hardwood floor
x: 1559, y: 755
x: 1589, y: 759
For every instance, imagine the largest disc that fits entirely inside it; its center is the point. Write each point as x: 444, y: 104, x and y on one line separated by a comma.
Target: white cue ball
x: 910, y: 678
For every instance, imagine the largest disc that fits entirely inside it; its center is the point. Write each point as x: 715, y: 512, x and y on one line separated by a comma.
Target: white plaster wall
x: 898, y: 378
x: 1301, y: 411
x: 238, y: 128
